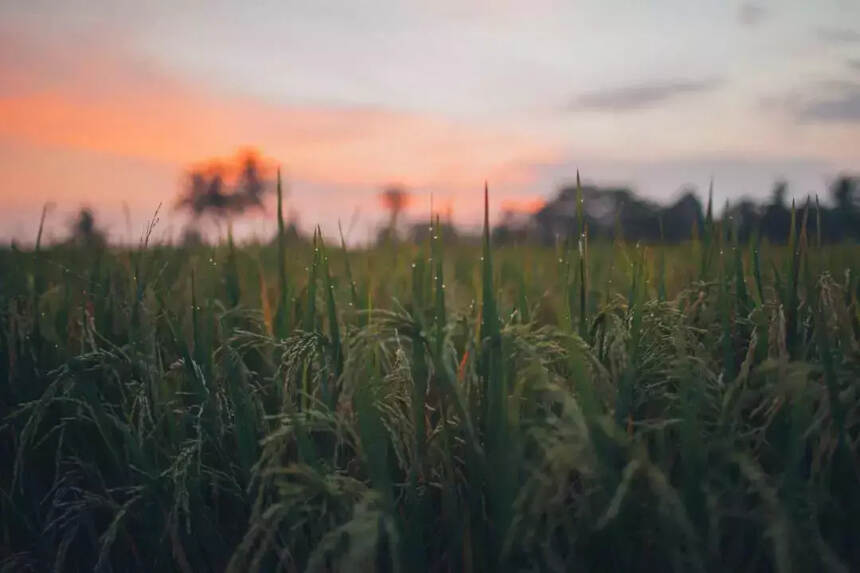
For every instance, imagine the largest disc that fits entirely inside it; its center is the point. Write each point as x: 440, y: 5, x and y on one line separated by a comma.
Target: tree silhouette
x: 846, y: 217
x: 223, y: 190
x: 776, y: 220
x: 394, y: 199
x: 844, y: 192
x: 84, y: 231
x: 640, y: 219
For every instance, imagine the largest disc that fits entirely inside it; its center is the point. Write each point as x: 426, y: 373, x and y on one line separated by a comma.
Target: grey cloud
x: 835, y: 101
x: 640, y: 96
x: 838, y: 35
x: 838, y: 107
x: 751, y: 14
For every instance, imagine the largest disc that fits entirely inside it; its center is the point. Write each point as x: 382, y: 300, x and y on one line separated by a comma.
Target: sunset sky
x: 107, y: 103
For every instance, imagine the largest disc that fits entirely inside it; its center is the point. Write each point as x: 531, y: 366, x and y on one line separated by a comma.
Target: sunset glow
x: 113, y: 111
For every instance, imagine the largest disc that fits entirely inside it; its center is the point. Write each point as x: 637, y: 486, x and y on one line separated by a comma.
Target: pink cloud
x: 89, y: 98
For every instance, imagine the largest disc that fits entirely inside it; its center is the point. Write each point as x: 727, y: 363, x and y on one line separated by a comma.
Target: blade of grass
x: 283, y: 314
x: 335, y: 344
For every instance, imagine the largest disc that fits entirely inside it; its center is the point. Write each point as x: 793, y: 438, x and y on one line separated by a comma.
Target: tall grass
x: 602, y: 406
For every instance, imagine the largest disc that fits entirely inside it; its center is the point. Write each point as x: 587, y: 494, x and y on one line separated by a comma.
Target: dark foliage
x: 224, y: 191
x: 608, y: 210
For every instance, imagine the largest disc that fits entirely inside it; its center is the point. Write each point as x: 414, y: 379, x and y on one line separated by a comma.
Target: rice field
x: 300, y: 406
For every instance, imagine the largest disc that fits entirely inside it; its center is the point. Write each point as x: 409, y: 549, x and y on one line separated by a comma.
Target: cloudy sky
x: 107, y: 103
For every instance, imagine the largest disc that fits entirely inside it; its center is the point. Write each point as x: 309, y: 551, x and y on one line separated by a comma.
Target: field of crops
x: 432, y: 407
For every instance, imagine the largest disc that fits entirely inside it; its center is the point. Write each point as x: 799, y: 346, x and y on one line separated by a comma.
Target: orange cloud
x: 105, y: 104
x: 527, y: 205
x: 89, y: 124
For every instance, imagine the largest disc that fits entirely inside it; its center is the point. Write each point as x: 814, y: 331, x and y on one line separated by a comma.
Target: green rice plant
x: 283, y: 313
x: 329, y: 389
x: 606, y: 406
x: 354, y: 300
x: 708, y: 233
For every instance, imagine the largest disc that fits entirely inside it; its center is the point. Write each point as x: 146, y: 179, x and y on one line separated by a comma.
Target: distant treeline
x: 614, y: 212
x: 608, y: 213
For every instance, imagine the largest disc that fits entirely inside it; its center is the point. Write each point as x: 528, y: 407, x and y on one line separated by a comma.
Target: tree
x: 846, y: 216
x: 394, y: 200
x: 224, y: 191
x: 844, y: 192
x: 776, y: 219
x: 84, y: 231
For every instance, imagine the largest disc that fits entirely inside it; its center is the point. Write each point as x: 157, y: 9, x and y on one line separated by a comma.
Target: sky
x: 107, y: 103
